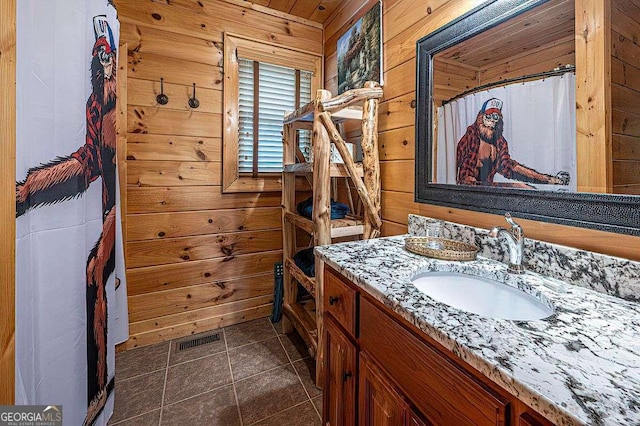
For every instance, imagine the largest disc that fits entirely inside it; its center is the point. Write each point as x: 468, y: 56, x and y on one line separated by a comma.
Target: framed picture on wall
x: 360, y: 51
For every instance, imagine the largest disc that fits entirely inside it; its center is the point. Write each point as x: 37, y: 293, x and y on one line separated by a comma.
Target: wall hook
x: 162, y: 99
x: 193, y: 102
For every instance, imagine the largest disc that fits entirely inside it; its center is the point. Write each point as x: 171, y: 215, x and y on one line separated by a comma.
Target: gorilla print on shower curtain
x: 66, y: 179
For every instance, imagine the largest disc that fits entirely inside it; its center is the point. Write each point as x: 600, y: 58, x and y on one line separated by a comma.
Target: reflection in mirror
x: 504, y: 104
x: 519, y: 68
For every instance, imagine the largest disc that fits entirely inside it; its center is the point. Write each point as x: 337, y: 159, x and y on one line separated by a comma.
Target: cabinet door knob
x: 346, y: 375
x: 333, y: 300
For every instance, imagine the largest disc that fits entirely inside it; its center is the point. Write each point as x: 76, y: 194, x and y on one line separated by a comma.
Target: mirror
x: 495, y: 119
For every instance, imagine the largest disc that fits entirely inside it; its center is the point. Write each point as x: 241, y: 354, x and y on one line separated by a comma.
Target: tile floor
x: 254, y: 375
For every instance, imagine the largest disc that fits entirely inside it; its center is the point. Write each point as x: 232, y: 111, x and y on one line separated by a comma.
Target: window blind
x: 276, y: 95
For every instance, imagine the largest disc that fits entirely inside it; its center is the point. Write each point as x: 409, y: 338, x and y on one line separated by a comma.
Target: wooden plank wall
x: 197, y: 259
x: 404, y: 22
x: 7, y: 199
x: 625, y: 90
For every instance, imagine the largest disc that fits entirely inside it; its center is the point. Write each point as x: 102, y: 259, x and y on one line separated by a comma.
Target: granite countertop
x: 580, y: 366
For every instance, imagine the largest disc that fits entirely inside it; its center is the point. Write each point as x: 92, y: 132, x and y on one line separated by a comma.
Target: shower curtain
x: 70, y: 288
x: 539, y: 126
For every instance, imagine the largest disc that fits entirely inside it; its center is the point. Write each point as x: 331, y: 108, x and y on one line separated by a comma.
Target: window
x: 279, y: 89
x: 261, y: 82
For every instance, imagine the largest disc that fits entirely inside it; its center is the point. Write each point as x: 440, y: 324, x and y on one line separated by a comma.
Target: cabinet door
x: 339, y: 399
x: 380, y: 403
x: 413, y: 419
x: 531, y: 419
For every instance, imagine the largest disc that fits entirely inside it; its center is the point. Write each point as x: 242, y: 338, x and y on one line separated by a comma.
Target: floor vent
x: 203, y: 340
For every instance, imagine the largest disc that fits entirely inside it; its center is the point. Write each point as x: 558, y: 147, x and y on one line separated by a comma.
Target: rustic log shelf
x: 321, y: 116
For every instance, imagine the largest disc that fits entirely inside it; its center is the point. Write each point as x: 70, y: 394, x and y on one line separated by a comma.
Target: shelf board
x: 309, y: 283
x: 345, y: 227
x: 299, y: 221
x: 303, y: 317
x: 305, y: 114
x: 336, y: 169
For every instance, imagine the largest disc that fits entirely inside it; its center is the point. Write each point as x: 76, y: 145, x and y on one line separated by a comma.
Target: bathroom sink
x: 481, y: 296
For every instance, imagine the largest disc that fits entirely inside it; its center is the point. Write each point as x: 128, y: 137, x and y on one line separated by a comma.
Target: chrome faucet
x: 515, y: 240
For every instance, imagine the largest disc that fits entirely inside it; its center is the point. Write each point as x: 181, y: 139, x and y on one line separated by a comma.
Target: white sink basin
x: 481, y: 296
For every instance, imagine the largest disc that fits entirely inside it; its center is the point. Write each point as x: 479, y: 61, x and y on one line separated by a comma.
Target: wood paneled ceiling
x: 314, y: 10
x: 552, y: 21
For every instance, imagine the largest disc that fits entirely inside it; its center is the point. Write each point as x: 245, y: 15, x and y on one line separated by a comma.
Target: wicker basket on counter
x: 441, y: 248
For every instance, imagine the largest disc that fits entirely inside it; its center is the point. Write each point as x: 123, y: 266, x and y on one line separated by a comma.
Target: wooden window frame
x: 237, y: 46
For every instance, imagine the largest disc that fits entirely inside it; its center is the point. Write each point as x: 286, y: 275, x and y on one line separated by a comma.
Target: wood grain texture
x: 557, y: 53
x: 228, y: 306
x: 625, y: 74
x: 340, y: 377
x: 527, y: 32
x: 626, y: 147
x: 153, y: 306
x: 397, y: 112
x: 625, y: 123
x: 190, y: 198
x: 393, y: 228
x: 371, y: 163
x: 626, y: 172
x: 398, y: 175
x: 397, y: 205
x: 215, y: 18
x: 7, y: 196
x: 397, y: 144
x: 201, y: 247
x: 171, y: 122
x: 400, y: 80
x: 380, y: 403
x: 402, y: 47
x: 258, y: 6
x: 207, y: 222
x: 625, y: 89
x: 144, y: 93
x: 236, y: 313
x: 593, y: 78
x: 167, y: 277
x: 173, y: 148
x: 446, y: 394
x: 174, y: 173
x: 339, y: 300
x: 143, y: 40
x: 149, y: 66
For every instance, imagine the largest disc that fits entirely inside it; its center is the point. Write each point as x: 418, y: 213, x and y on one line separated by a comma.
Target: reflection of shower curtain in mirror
x: 539, y: 126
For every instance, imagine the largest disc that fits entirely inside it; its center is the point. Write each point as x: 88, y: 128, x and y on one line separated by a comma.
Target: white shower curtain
x: 60, y: 124
x: 539, y: 126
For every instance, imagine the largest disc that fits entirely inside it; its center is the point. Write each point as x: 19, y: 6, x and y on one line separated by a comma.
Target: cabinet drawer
x: 340, y: 301
x: 441, y: 390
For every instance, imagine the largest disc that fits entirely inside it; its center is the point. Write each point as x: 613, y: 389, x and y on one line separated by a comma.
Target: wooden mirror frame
x: 606, y: 212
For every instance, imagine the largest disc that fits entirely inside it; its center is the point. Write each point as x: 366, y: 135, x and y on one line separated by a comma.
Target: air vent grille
x: 198, y: 341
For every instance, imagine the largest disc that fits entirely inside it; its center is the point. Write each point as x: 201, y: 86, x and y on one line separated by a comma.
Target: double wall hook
x: 162, y: 99
x: 193, y: 102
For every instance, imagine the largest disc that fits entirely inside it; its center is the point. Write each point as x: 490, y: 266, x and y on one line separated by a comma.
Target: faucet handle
x: 516, y: 229
x: 510, y: 221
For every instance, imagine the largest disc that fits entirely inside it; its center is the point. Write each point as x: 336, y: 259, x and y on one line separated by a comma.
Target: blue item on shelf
x: 338, y: 210
x: 305, y: 260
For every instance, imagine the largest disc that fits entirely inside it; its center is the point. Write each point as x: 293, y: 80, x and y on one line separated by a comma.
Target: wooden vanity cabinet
x: 380, y: 370
x: 339, y: 393
x: 380, y: 402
